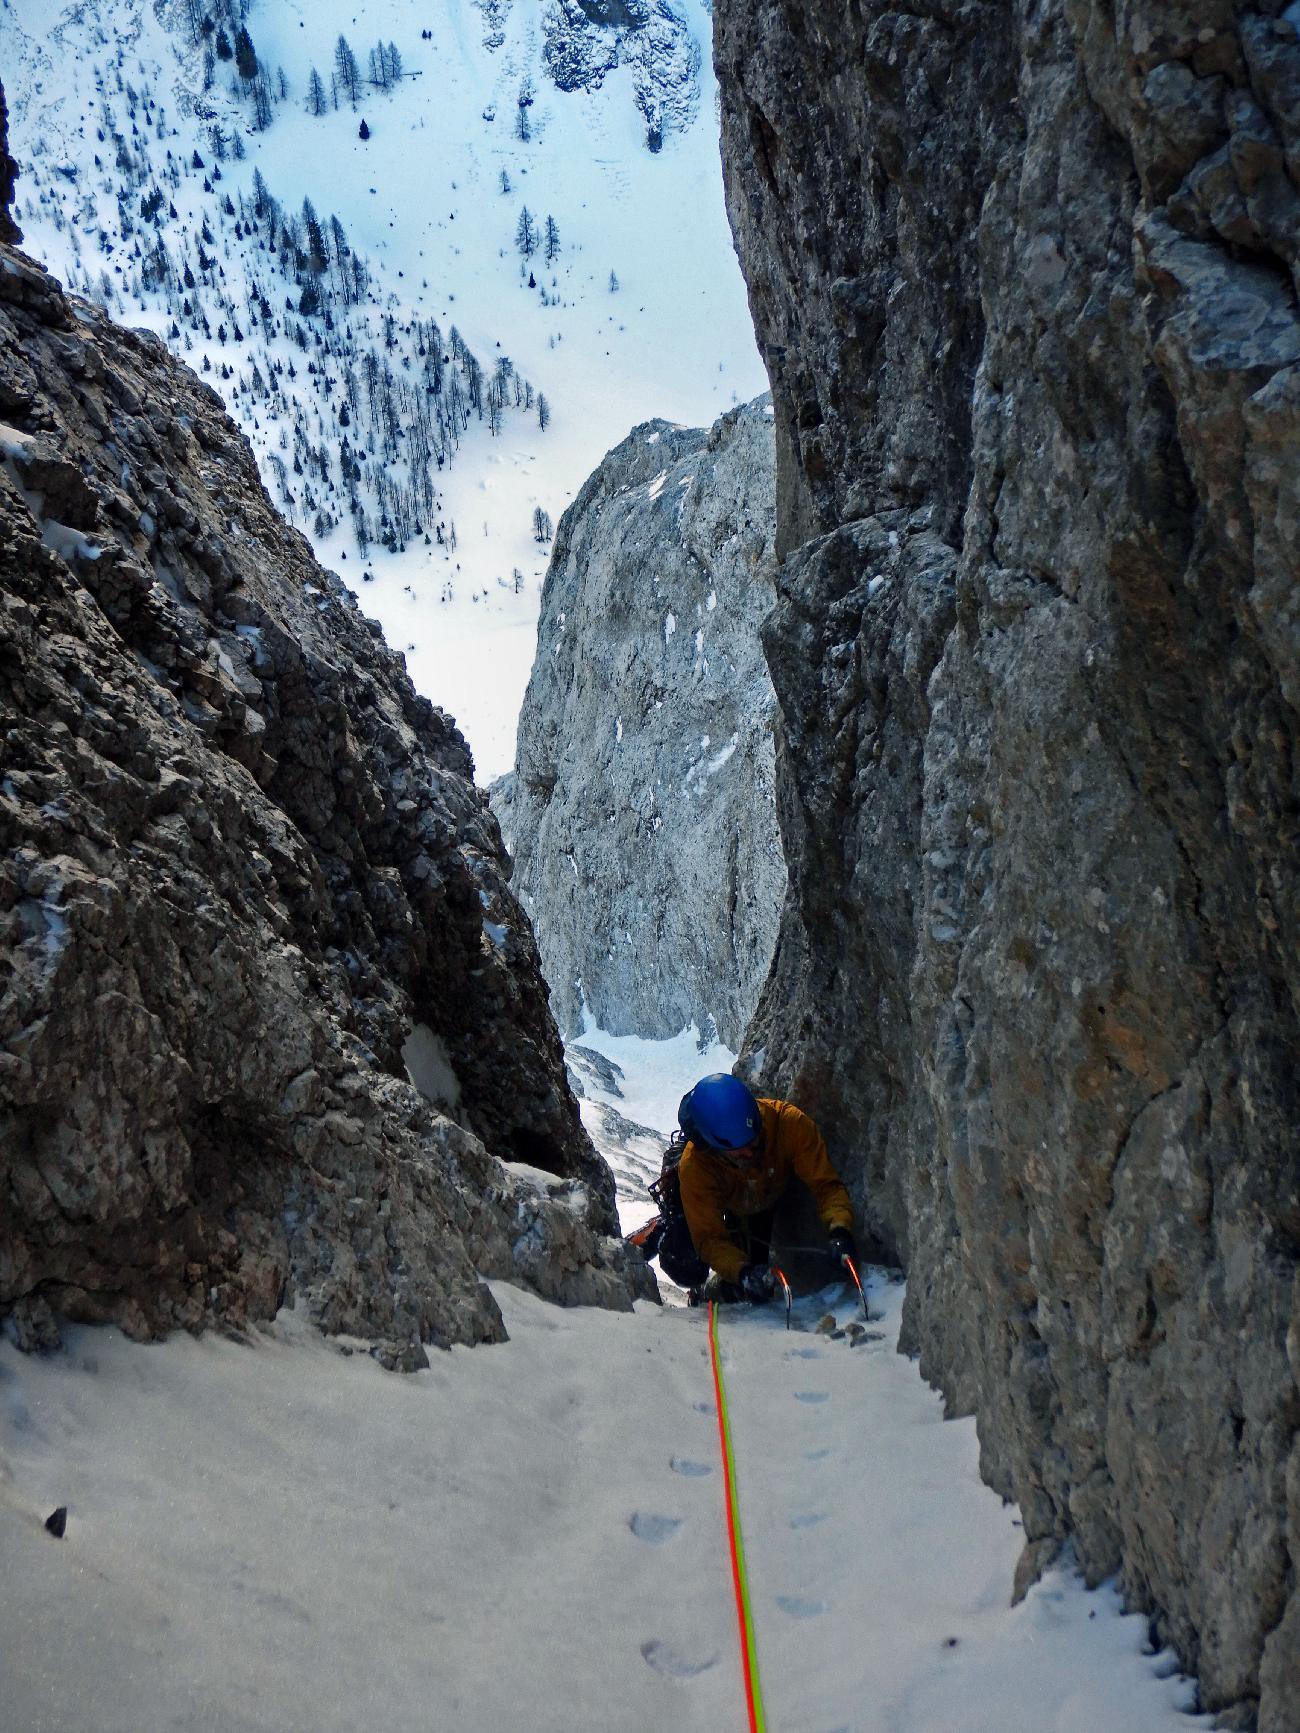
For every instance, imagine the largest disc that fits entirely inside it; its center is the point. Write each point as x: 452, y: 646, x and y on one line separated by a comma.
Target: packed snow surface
x: 281, y: 1536
x: 285, y: 1537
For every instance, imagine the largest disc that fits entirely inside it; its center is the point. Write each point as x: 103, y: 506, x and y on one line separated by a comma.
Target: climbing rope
x: 744, y: 1614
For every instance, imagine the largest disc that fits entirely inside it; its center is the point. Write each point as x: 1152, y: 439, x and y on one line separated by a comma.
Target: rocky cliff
x: 640, y: 812
x: 245, y: 883
x: 1025, y: 280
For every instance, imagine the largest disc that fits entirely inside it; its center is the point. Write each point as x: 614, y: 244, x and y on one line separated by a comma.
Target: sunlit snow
x: 421, y: 199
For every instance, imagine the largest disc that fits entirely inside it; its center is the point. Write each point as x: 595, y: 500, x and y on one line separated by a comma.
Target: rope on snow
x: 744, y: 1613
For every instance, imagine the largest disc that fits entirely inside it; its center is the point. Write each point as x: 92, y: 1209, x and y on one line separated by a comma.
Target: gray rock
x: 1024, y: 279
x: 640, y: 812
x: 9, y: 230
x: 241, y: 862
x: 600, y: 1072
x: 584, y: 40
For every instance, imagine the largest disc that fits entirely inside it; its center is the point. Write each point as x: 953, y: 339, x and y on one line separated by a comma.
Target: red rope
x: 746, y: 1660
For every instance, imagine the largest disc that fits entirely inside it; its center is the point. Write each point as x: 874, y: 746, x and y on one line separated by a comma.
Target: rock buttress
x: 1025, y: 281
x: 241, y: 862
x: 640, y: 812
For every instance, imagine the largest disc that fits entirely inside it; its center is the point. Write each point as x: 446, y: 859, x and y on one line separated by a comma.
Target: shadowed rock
x: 241, y: 861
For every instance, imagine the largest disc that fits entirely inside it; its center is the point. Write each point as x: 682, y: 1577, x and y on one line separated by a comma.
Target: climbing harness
x: 748, y: 1656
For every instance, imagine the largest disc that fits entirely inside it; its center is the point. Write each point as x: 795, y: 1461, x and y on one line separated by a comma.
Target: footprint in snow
x: 692, y: 1470
x: 808, y: 1519
x: 805, y: 1354
x: 816, y: 1455
x: 812, y: 1395
x: 702, y: 1407
x: 672, y: 1663
x: 655, y: 1529
x: 798, y: 1608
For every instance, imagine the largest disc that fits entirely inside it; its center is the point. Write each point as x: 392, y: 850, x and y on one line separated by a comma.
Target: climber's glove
x: 756, y: 1282
x: 843, y: 1245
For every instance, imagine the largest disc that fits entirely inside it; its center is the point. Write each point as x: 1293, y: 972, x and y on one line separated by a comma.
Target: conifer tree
x: 317, y: 100
x: 314, y: 240
x: 526, y: 233
x: 347, y: 70
x: 245, y: 55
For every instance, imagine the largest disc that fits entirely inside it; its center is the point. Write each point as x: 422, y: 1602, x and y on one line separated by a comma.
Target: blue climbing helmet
x: 720, y: 1112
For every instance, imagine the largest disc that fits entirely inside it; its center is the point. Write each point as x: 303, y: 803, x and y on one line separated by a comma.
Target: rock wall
x: 1025, y: 280
x: 244, y: 877
x: 640, y: 812
x: 9, y: 230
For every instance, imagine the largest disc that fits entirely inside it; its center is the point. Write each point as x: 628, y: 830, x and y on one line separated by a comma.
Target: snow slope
x: 421, y: 200
x: 284, y: 1537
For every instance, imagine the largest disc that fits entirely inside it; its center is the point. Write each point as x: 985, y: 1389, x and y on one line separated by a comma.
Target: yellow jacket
x: 712, y: 1183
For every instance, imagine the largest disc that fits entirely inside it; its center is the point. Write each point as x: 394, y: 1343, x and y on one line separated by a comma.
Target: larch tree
x: 347, y: 70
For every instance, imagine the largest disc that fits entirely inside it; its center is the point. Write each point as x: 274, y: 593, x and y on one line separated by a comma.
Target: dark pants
x: 680, y: 1261
x: 754, y: 1236
x: 754, y: 1233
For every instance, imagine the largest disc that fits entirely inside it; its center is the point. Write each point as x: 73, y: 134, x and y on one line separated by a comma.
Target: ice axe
x: 846, y: 1261
x: 851, y: 1267
x: 789, y: 1297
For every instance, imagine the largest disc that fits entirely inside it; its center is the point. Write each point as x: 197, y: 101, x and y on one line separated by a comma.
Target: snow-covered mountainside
x: 640, y: 813
x: 430, y: 333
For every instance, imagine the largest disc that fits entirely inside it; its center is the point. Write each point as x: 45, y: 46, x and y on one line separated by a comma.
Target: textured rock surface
x: 9, y: 230
x: 585, y: 40
x: 1025, y: 281
x: 240, y: 858
x: 640, y: 812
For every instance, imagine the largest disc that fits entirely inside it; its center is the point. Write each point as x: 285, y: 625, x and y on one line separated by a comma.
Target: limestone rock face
x: 242, y: 865
x: 1025, y: 281
x: 640, y: 812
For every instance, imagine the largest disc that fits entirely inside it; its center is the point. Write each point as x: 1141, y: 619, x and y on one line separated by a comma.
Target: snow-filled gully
x: 286, y: 1537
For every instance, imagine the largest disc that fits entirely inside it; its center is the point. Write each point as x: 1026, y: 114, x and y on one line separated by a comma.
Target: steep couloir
x: 245, y: 882
x: 1025, y: 280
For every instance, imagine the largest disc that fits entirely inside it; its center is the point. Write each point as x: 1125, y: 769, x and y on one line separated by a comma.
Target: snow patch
x: 716, y: 763
x: 428, y: 1065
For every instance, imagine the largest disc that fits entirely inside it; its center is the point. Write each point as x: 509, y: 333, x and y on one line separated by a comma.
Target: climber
x: 739, y: 1159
